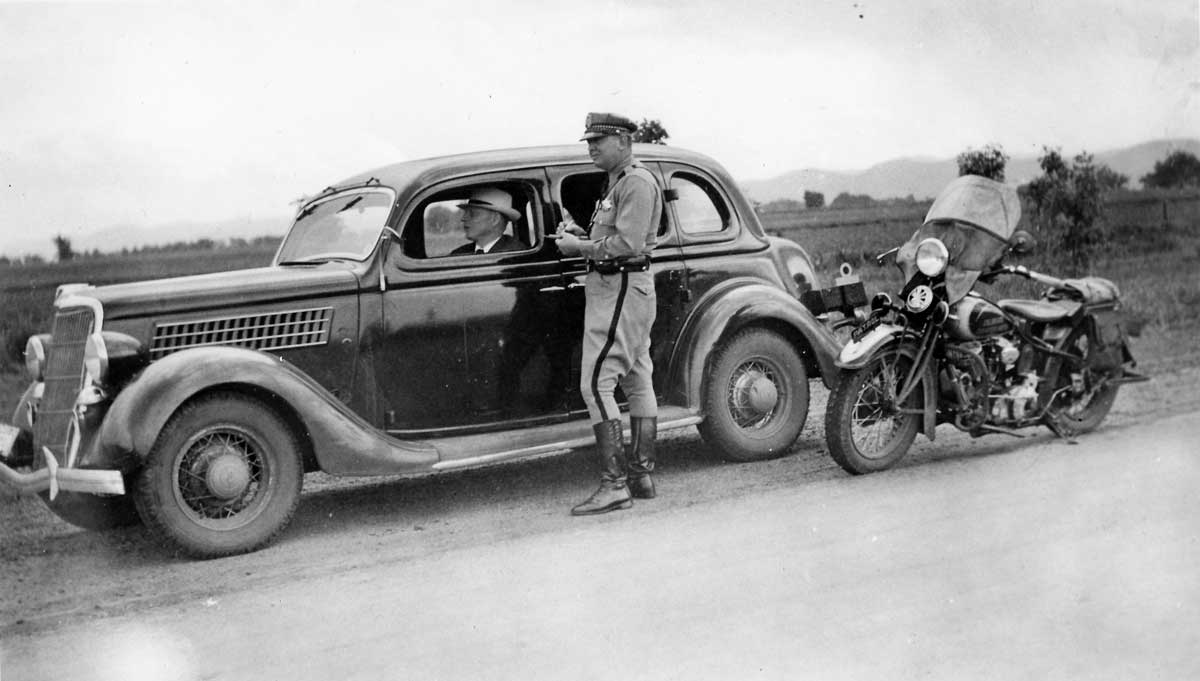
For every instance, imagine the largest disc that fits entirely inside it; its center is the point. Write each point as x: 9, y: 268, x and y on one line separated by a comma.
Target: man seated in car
x: 485, y: 216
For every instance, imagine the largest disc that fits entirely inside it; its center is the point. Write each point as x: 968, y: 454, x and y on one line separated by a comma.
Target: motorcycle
x: 943, y: 353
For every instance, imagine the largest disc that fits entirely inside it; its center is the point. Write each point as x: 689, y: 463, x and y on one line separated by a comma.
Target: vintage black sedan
x: 368, y: 347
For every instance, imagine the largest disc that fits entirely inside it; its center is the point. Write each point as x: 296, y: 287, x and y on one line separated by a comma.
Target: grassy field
x: 1157, y: 268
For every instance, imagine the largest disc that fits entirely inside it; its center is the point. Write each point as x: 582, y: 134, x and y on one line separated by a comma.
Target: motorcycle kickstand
x: 1063, y: 433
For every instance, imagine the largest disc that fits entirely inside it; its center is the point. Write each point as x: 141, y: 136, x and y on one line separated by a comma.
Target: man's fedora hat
x: 496, y: 200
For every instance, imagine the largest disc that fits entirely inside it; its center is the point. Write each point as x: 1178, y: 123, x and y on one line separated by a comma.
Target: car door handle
x: 576, y: 284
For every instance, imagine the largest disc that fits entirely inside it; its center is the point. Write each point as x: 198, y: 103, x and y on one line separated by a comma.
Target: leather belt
x: 619, y: 265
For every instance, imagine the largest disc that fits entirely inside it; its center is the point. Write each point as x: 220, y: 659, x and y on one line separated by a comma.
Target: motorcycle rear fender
x: 340, y: 442
x: 735, y: 305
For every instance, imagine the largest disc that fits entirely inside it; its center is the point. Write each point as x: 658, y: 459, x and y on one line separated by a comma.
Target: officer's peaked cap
x: 604, y: 124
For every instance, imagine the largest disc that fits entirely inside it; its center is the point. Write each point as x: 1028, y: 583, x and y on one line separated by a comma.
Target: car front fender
x: 738, y: 304
x: 341, y: 441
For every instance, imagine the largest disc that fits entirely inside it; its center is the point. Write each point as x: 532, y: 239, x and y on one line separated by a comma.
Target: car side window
x: 580, y: 192
x: 436, y: 229
x: 699, y: 207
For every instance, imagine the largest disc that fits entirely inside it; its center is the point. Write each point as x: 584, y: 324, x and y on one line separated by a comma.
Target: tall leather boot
x: 613, y: 493
x: 643, y: 430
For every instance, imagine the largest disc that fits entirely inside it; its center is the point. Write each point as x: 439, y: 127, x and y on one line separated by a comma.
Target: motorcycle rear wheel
x: 1084, y: 413
x: 863, y: 430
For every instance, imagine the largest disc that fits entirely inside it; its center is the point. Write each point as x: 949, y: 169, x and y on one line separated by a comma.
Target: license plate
x: 8, y: 435
x: 860, y: 332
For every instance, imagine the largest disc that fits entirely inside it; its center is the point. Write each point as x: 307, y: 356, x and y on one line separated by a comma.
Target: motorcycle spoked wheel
x: 1076, y: 414
x: 863, y: 429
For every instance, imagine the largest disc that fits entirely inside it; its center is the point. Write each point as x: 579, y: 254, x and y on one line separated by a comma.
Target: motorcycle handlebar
x: 1023, y: 271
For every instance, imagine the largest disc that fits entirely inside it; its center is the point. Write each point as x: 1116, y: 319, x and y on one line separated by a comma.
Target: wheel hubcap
x: 753, y: 394
x: 228, y: 476
x: 221, y: 476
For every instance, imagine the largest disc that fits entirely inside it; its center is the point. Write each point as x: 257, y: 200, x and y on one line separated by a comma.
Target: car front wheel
x: 223, y: 477
x: 755, y: 396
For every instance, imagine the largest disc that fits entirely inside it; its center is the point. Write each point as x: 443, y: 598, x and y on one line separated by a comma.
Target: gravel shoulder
x: 55, y: 573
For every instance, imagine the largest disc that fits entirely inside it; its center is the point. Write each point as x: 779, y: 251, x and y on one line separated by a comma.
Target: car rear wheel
x: 755, y: 396
x: 223, y: 477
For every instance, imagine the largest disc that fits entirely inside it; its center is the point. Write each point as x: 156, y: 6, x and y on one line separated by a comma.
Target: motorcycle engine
x: 994, y: 383
x: 968, y: 382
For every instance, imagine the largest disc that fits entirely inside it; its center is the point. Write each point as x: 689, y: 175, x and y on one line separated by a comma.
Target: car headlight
x: 35, y: 357
x: 932, y: 257
x: 95, y: 357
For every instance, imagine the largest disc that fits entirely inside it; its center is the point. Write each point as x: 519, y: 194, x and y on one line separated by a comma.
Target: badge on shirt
x: 606, y: 204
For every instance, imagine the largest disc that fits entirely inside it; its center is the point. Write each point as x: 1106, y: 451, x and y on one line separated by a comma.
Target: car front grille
x: 63, y: 376
x: 269, y: 331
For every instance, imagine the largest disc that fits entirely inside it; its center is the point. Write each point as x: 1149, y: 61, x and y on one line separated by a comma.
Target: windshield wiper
x: 350, y: 205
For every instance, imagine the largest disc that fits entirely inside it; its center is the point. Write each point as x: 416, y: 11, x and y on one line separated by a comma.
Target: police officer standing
x: 619, y: 312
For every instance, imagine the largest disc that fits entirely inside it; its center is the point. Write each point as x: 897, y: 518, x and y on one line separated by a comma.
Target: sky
x: 147, y: 113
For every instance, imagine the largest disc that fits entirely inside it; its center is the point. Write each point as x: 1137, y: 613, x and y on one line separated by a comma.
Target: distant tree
x: 814, y: 199
x: 781, y: 206
x: 1109, y: 179
x: 1068, y: 206
x: 62, y: 246
x: 651, y: 131
x: 987, y: 162
x: 1178, y: 169
x: 847, y: 200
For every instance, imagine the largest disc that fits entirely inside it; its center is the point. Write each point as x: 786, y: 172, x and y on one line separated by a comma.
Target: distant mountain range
x: 925, y: 177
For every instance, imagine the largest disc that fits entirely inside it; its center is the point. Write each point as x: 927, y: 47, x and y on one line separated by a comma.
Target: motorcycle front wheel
x: 864, y: 427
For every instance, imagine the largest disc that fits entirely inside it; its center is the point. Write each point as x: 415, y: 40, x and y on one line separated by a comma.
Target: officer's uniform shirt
x: 625, y: 222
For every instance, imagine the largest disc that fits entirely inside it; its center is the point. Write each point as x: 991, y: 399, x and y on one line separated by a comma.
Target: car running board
x: 554, y: 440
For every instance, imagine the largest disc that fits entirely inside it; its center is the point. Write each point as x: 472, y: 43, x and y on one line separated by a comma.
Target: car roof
x: 427, y: 170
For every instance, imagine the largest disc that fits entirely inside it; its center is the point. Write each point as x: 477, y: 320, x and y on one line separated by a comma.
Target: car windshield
x: 344, y: 227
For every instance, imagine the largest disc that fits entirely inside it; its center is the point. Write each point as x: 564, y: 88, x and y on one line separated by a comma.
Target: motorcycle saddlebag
x: 1110, y: 336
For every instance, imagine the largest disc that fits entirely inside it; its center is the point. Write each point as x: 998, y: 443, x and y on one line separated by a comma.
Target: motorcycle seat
x: 1039, y: 310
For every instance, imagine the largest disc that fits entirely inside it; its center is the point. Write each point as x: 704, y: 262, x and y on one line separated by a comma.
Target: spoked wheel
x: 1085, y: 398
x: 755, y: 397
x: 864, y: 426
x: 224, y: 477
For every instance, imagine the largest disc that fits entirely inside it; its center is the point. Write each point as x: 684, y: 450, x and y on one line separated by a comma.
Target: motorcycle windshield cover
x: 987, y: 204
x: 974, y: 217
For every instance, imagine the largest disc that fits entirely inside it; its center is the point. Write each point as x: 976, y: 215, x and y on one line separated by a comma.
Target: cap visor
x: 593, y: 135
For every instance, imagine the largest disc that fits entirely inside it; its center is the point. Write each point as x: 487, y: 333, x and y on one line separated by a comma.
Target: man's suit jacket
x: 506, y: 244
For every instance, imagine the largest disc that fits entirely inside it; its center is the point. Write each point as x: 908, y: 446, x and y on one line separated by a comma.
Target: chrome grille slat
x: 265, y: 331
x: 63, y: 379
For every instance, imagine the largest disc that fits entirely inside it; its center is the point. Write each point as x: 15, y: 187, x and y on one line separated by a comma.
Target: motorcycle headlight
x: 35, y: 357
x: 95, y: 357
x: 932, y: 257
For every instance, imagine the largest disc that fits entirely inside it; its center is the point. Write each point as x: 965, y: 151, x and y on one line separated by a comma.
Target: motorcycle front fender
x: 856, y: 354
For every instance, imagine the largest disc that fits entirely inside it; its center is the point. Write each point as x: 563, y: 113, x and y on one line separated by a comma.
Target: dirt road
x: 990, y: 558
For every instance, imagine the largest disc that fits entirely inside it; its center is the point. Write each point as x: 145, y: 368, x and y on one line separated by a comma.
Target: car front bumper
x: 52, y: 477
